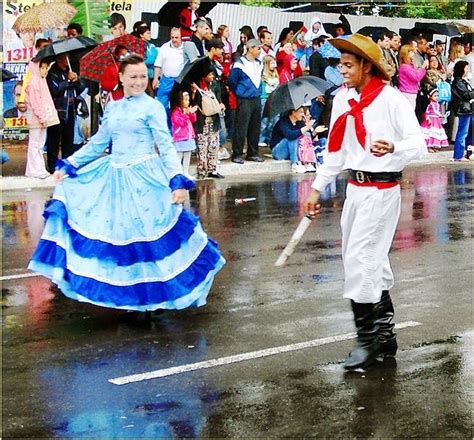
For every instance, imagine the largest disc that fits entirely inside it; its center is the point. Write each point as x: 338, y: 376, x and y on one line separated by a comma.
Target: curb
x: 227, y: 168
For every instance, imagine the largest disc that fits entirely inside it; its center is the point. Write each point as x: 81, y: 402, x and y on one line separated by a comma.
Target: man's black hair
x: 75, y: 26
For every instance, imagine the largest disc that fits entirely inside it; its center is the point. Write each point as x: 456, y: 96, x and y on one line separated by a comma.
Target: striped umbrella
x: 43, y: 17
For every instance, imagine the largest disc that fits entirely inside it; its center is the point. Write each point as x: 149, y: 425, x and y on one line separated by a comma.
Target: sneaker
x: 262, y: 144
x: 238, y: 160
x: 310, y: 168
x: 298, y: 168
x: 223, y: 154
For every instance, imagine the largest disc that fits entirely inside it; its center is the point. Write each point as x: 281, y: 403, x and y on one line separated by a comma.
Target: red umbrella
x: 94, y: 63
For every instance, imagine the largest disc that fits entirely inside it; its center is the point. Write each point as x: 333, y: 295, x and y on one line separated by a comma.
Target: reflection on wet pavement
x: 60, y: 354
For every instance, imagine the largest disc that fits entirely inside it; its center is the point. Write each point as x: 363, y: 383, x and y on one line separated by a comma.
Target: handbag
x: 209, y: 104
x: 444, y: 91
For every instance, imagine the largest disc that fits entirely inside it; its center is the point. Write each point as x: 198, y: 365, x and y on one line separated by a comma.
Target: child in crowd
x: 306, y: 153
x: 183, y: 116
x: 432, y: 126
x: 187, y: 17
x: 41, y: 114
x: 290, y: 63
x: 270, y: 81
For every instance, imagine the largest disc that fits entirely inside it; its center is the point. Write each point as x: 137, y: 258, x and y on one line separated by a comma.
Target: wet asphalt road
x: 58, y: 355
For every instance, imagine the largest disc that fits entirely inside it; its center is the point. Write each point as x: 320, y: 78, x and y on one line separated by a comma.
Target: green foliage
x: 258, y: 2
x: 93, y: 16
x: 441, y: 9
x: 433, y: 9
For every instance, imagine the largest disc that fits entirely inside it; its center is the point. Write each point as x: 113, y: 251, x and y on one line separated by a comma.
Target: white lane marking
x: 19, y: 276
x: 241, y: 357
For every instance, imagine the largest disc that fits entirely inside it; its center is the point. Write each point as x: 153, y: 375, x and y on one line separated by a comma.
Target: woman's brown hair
x: 129, y: 60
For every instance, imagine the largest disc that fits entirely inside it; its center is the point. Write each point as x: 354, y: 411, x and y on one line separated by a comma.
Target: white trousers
x: 35, y: 166
x: 369, y: 220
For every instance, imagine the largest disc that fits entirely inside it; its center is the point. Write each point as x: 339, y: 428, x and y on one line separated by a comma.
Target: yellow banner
x: 15, y: 123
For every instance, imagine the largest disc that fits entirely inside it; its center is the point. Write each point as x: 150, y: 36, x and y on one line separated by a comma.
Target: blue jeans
x: 286, y: 149
x: 463, y: 129
x: 222, y: 131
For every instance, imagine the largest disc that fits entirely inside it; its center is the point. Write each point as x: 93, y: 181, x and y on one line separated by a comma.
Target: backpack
x: 444, y: 91
x: 306, y: 150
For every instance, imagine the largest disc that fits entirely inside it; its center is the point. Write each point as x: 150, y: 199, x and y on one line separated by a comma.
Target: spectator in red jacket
x: 187, y: 17
x: 110, y: 78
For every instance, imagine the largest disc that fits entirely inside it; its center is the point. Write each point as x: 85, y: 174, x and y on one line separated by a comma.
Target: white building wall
x: 235, y: 16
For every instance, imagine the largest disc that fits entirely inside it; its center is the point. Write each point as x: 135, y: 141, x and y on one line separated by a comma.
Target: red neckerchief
x: 369, y: 93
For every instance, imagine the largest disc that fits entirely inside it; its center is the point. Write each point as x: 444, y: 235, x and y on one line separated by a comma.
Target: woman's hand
x: 58, y: 175
x: 179, y: 196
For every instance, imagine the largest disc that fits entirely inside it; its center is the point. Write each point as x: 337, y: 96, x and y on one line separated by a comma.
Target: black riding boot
x: 367, y: 347
x: 387, y: 337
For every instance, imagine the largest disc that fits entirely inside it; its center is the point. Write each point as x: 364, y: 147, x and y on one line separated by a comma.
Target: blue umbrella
x: 327, y: 50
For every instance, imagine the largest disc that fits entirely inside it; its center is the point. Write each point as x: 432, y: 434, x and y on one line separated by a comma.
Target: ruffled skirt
x: 435, y: 135
x: 114, y: 239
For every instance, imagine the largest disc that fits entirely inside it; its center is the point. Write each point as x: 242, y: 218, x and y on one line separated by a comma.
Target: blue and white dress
x: 112, y: 236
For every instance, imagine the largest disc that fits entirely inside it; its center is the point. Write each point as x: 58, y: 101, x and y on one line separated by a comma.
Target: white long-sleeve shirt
x: 389, y: 117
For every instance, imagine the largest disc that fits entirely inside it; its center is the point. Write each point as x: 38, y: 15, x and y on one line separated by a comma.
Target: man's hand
x: 72, y: 76
x: 380, y: 148
x: 179, y: 196
x: 321, y: 99
x: 312, y: 207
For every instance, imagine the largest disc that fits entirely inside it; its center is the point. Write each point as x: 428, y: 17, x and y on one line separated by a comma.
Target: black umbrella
x: 7, y: 75
x: 168, y: 15
x: 191, y: 73
x: 194, y: 71
x: 330, y: 28
x: 436, y: 28
x: 294, y: 94
x: 68, y: 46
x: 369, y: 31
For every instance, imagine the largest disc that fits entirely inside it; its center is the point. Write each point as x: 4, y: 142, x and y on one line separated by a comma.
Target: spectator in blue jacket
x: 245, y: 81
x: 286, y: 135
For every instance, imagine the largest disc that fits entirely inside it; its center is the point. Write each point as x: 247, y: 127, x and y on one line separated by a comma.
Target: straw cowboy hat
x: 364, y: 47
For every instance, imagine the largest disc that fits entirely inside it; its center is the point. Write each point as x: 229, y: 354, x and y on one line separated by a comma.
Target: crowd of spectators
x: 438, y: 87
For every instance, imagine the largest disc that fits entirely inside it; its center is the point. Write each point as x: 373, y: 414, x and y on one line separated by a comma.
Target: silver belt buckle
x: 360, y: 178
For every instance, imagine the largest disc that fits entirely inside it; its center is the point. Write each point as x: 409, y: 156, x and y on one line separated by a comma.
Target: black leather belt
x: 367, y: 177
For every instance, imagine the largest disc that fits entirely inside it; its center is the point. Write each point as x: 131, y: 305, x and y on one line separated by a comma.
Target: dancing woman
x: 116, y: 234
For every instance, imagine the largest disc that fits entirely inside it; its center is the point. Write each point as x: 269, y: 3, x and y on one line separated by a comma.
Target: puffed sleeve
x: 157, y: 122
x: 95, y: 147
